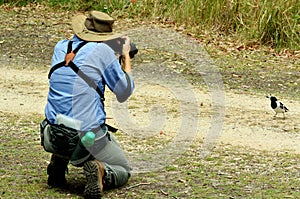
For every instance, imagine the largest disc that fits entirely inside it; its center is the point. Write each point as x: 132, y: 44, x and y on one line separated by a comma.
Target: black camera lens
x: 133, y: 50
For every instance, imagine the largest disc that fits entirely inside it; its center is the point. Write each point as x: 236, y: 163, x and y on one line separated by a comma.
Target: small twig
x: 137, y: 185
x: 60, y: 23
x: 163, y: 192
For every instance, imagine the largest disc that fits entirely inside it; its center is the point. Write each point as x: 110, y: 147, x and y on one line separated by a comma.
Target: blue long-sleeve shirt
x: 70, y: 95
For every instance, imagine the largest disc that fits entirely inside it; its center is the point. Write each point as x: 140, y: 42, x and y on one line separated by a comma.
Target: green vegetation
x: 228, y: 172
x: 241, y: 36
x: 273, y: 23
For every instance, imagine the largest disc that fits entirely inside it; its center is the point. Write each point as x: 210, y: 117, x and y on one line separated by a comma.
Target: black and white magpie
x: 277, y: 106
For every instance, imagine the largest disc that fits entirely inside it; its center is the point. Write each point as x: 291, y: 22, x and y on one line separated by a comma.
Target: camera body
x: 117, y: 45
x: 133, y: 49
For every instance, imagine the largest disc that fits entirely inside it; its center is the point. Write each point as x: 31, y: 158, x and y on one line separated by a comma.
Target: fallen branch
x: 137, y: 185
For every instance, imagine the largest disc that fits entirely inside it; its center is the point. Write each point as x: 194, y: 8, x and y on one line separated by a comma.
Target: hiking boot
x: 94, y: 171
x: 56, y: 171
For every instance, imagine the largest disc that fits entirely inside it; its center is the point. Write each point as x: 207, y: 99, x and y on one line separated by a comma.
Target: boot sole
x: 94, y: 186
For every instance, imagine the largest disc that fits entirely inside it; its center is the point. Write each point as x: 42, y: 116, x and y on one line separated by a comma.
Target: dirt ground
x: 182, y: 96
x: 248, y: 121
x: 26, y: 48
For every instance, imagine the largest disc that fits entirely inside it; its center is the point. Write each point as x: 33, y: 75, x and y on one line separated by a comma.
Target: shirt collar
x: 76, y: 39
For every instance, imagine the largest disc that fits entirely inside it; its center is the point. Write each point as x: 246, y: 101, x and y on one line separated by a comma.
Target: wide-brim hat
x: 97, y: 27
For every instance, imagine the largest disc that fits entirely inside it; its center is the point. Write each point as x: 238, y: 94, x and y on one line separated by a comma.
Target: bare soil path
x: 248, y: 121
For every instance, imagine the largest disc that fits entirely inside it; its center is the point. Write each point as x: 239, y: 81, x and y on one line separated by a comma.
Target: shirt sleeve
x: 118, y: 81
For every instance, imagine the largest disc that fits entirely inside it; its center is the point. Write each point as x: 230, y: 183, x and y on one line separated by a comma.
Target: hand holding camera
x: 126, y: 46
x: 123, y: 46
x: 125, y: 56
x: 125, y: 50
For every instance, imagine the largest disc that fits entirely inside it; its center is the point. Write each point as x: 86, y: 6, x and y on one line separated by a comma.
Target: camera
x: 133, y: 48
x: 117, y: 45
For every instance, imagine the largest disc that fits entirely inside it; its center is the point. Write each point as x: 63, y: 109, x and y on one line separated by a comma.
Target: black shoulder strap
x: 69, y: 47
x: 75, y: 68
x: 63, y: 63
x: 78, y: 47
x: 88, y: 80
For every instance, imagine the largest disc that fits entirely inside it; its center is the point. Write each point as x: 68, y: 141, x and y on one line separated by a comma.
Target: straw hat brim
x: 83, y: 33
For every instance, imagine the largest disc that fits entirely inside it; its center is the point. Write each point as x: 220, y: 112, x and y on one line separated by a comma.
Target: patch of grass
x: 258, y: 71
x: 227, y: 172
x: 272, y: 23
